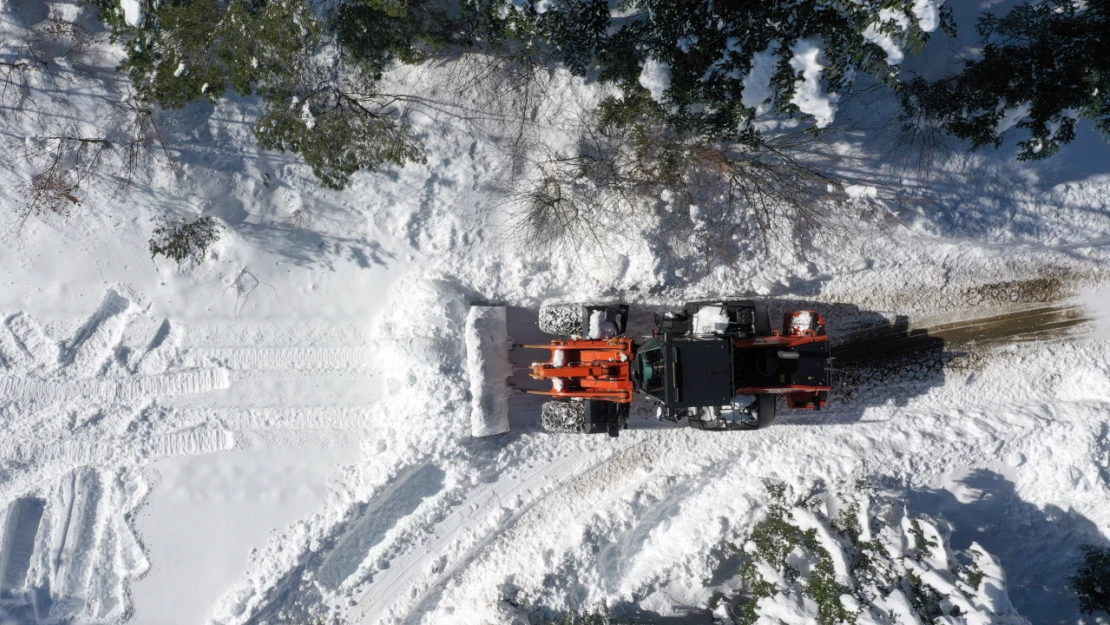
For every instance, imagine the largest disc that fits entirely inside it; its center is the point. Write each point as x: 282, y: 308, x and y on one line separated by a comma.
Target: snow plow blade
x: 488, y: 366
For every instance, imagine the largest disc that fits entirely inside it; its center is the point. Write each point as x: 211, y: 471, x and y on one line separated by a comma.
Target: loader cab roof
x: 685, y: 372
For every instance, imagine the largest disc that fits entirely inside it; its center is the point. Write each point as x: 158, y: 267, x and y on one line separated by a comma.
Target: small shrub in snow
x: 861, y: 565
x: 185, y: 239
x: 701, y: 195
x: 1092, y: 580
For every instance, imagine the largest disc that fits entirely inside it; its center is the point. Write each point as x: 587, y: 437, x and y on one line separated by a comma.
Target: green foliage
x: 316, y: 73
x: 336, y: 135
x: 180, y: 240
x: 1092, y: 580
x: 775, y: 538
x: 709, y: 49
x: 1049, y: 56
x: 974, y: 576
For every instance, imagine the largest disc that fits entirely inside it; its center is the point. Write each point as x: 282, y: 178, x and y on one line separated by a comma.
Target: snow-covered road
x: 281, y: 433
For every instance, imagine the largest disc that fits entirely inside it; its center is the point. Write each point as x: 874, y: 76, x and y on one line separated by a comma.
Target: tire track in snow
x: 165, y: 385
x: 278, y: 358
x: 285, y: 417
x: 121, y: 451
x: 721, y: 465
x: 79, y: 535
x: 459, y: 531
x: 93, y: 344
x: 12, y: 355
x: 33, y: 342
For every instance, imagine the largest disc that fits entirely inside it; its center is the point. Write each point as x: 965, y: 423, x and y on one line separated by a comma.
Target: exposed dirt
x: 1038, y: 323
x: 903, y: 354
x: 1038, y: 290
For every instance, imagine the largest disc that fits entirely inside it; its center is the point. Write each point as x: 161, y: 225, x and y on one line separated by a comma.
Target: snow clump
x: 808, y: 96
x: 132, y: 12
x: 873, y: 33
x: 656, y: 78
x: 927, y: 13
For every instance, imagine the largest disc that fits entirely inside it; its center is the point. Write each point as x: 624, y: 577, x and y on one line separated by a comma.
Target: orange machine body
x: 792, y: 336
x: 588, y: 369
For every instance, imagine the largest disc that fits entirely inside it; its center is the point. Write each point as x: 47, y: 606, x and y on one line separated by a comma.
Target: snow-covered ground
x: 283, y: 431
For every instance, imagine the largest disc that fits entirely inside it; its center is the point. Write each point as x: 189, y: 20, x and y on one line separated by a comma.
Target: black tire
x: 766, y: 410
x: 762, y: 320
x: 563, y: 417
x: 562, y: 319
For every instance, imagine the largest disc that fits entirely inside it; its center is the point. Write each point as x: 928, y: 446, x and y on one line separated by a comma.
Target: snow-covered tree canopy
x: 1043, y: 66
x: 863, y: 559
x: 711, y: 67
x: 316, y: 69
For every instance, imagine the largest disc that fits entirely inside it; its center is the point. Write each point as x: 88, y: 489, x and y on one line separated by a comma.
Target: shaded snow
x: 757, y: 84
x: 1012, y: 116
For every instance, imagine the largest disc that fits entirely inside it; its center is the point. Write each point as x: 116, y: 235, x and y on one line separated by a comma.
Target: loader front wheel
x: 563, y: 417
x: 562, y: 319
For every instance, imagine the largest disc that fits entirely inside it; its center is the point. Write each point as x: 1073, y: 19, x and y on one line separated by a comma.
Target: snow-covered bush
x: 179, y: 240
x: 864, y: 560
x: 1092, y: 580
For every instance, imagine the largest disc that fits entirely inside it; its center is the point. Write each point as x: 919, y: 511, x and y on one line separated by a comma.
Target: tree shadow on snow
x: 311, y: 249
x: 1039, y: 548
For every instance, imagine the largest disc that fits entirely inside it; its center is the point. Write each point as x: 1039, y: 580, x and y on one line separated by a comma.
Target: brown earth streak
x: 1038, y: 323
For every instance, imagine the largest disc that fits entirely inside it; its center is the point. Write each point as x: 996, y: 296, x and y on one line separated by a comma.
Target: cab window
x: 650, y: 364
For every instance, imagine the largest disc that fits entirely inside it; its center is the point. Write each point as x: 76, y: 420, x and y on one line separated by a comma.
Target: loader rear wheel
x: 562, y: 319
x: 563, y: 417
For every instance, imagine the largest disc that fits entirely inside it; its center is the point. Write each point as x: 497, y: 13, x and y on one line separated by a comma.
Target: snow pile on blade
x: 487, y: 363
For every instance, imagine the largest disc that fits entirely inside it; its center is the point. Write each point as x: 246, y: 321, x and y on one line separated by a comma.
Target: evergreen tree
x: 1092, y: 580
x: 316, y: 70
x: 704, y: 53
x: 1043, y: 66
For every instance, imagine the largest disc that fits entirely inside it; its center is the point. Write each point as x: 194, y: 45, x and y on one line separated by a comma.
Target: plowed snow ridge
x: 94, y: 342
x: 33, y: 341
